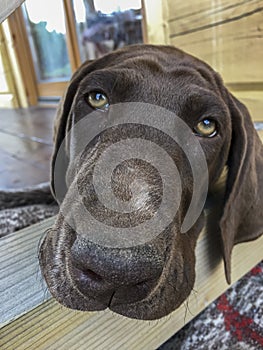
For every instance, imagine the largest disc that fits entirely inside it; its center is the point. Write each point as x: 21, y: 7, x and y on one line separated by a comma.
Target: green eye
x: 98, y: 100
x: 206, y: 128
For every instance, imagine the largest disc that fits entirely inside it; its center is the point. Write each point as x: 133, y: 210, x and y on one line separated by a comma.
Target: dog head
x: 170, y: 101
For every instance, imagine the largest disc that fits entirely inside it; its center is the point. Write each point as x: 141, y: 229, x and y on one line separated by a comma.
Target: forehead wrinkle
x: 159, y: 66
x: 148, y: 80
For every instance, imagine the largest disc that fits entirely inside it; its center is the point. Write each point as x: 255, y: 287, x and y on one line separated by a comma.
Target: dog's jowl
x: 142, y: 138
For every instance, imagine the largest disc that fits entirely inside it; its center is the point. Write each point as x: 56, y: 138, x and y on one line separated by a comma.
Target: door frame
x: 23, y: 53
x: 34, y: 89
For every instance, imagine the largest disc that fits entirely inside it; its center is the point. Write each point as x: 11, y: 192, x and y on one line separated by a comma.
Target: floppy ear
x: 64, y: 116
x: 242, y: 218
x: 61, y: 127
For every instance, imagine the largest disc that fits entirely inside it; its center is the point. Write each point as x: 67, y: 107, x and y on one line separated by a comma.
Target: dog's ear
x: 242, y: 219
x: 64, y: 116
x: 61, y: 127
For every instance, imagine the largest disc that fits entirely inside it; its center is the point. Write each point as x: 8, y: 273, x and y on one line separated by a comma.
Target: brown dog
x: 147, y: 280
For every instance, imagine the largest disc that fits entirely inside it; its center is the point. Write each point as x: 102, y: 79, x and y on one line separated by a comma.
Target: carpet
x: 232, y: 322
x: 20, y: 208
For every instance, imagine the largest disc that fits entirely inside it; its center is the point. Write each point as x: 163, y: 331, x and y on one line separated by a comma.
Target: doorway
x: 53, y: 37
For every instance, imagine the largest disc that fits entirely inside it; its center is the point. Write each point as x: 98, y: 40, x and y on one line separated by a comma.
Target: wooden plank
x: 226, y: 34
x: 20, y: 88
x: 30, y: 322
x: 72, y: 37
x: 23, y: 54
x: 253, y: 100
x: 155, y: 21
x: 261, y: 134
x: 51, y: 326
x: 21, y: 285
x: 52, y: 89
x: 8, y: 71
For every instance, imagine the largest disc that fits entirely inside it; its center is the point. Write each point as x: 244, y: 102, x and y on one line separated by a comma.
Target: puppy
x: 144, y: 95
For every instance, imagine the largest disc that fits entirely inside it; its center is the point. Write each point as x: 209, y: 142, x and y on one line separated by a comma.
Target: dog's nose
x: 116, y: 266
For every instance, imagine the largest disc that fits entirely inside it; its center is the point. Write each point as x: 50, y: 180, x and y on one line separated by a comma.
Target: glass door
x: 103, y: 26
x: 46, y: 29
x: 53, y: 38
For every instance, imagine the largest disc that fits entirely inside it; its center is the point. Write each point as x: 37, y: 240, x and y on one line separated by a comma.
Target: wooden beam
x: 23, y: 53
x: 8, y: 72
x: 22, y: 288
x: 71, y: 37
x: 155, y: 22
x: 52, y: 89
x: 28, y: 321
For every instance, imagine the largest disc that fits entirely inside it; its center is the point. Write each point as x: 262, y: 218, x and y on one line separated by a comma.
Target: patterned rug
x: 20, y: 208
x: 233, y: 322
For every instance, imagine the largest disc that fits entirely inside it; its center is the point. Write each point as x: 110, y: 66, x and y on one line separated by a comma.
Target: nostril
x: 91, y: 274
x: 89, y: 282
x: 86, y: 274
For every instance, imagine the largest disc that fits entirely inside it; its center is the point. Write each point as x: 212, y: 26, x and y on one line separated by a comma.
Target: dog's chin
x: 147, y: 300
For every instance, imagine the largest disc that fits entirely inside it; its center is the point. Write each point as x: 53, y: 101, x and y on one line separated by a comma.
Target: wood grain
x: 155, y: 22
x: 23, y: 55
x: 226, y: 34
x: 253, y: 101
x: 51, y: 326
x: 22, y: 287
x: 26, y: 146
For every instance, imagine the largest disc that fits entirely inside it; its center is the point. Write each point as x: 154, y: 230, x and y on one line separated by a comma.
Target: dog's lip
x: 132, y: 294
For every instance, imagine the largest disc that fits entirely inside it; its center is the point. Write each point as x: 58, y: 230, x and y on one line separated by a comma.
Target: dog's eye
x: 98, y: 100
x: 206, y: 128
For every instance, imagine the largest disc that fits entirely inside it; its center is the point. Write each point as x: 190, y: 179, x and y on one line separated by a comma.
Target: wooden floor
x: 25, y: 146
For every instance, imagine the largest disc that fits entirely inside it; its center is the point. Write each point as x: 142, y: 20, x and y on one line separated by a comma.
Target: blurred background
x: 52, y: 38
x: 43, y: 42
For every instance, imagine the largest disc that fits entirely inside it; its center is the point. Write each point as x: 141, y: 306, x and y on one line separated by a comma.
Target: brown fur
x: 151, y: 280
